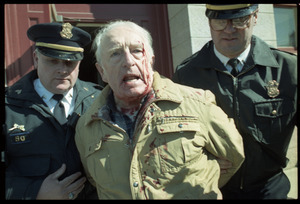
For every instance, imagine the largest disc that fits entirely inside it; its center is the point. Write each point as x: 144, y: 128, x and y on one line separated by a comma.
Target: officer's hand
x: 224, y: 165
x: 52, y: 188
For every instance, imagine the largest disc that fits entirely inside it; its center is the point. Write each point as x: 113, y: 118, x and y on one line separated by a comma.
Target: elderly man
x: 42, y: 109
x: 145, y: 137
x: 257, y: 86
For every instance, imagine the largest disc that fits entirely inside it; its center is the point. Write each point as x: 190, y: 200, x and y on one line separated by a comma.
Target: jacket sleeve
x: 18, y: 185
x: 20, y: 188
x: 82, y: 145
x: 224, y: 140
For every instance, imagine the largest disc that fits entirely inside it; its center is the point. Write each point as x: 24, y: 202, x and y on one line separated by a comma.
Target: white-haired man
x: 146, y: 137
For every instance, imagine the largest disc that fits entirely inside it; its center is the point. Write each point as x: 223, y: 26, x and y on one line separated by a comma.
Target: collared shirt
x: 125, y: 121
x: 46, y: 95
x: 242, y: 58
x: 118, y: 118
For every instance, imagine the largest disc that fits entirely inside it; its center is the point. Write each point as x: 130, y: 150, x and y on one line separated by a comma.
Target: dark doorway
x: 88, y: 70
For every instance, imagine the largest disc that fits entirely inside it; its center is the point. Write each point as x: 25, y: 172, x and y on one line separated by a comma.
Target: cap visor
x: 70, y: 56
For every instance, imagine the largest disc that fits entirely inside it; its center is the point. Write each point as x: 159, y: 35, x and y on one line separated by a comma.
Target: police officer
x: 42, y: 110
x: 257, y: 86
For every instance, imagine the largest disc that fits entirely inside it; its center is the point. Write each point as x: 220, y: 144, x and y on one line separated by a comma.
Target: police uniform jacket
x: 36, y: 144
x: 178, y: 133
x: 265, y: 115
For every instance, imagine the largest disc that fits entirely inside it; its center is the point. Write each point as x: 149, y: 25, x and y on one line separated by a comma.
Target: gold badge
x: 66, y: 31
x: 272, y: 88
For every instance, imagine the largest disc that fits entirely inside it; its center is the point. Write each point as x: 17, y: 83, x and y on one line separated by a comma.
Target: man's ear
x: 152, y: 61
x: 101, y: 71
x: 35, y: 59
x: 255, y: 17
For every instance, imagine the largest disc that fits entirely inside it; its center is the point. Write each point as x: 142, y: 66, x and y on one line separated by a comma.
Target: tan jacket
x: 172, y: 153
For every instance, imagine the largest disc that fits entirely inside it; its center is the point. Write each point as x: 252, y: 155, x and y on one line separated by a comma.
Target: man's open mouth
x: 131, y: 78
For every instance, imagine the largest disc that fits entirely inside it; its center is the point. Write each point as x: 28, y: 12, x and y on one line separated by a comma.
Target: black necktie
x: 59, y: 110
x: 233, y: 63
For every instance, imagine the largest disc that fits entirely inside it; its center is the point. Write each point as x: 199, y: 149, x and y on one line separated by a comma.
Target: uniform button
x: 274, y: 112
x: 180, y: 125
x: 148, y: 128
x: 135, y: 184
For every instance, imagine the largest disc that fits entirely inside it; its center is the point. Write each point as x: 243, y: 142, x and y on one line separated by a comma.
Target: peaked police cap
x: 229, y: 11
x: 59, y: 40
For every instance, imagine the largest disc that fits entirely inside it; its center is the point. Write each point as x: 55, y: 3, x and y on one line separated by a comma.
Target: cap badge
x: 272, y: 88
x: 66, y: 31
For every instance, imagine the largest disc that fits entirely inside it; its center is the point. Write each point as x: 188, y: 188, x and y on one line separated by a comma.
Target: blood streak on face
x: 145, y: 71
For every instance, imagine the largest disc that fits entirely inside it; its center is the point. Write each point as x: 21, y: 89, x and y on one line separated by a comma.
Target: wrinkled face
x: 232, y: 41
x: 125, y: 64
x: 57, y: 76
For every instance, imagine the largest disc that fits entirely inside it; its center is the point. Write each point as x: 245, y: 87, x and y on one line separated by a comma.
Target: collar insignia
x: 18, y: 91
x: 16, y: 126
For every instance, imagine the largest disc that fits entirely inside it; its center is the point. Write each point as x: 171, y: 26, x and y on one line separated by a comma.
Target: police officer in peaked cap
x: 42, y: 110
x: 256, y: 85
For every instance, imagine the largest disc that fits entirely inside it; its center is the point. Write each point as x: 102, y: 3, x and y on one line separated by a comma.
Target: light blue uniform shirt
x: 46, y: 95
x: 242, y: 58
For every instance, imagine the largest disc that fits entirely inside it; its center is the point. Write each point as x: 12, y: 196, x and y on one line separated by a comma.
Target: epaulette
x: 187, y: 60
x: 273, y: 48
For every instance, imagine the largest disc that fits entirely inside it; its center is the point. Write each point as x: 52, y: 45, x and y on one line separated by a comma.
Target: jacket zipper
x: 236, y: 113
x: 235, y: 86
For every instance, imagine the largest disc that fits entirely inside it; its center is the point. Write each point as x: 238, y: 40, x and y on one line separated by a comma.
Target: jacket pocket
x: 179, y: 143
x: 271, y: 117
x: 98, y: 163
x: 35, y: 165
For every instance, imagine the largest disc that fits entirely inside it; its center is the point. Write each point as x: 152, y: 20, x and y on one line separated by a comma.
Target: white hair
x: 96, y: 47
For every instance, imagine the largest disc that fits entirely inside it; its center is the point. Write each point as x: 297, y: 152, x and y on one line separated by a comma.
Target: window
x: 286, y: 26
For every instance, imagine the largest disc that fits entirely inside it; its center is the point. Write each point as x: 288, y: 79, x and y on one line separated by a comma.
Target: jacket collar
x: 260, y: 54
x: 23, y: 89
x: 83, y: 89
x: 164, y: 89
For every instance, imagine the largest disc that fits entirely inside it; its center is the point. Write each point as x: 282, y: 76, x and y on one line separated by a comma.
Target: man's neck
x: 127, y: 104
x: 242, y: 55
